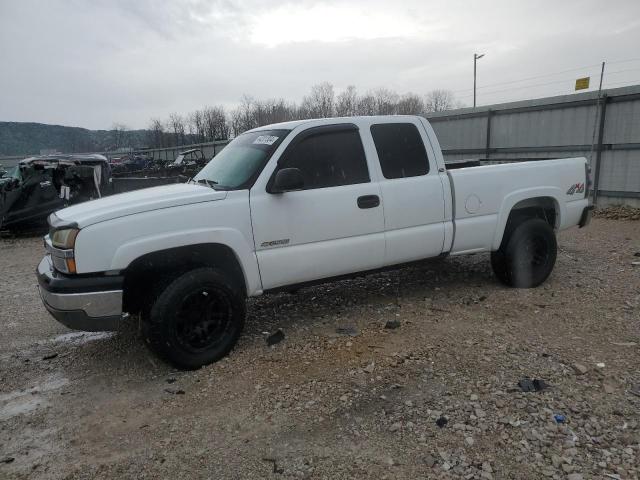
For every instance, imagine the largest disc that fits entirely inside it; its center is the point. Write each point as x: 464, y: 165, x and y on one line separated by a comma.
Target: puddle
x: 80, y: 338
x: 20, y: 402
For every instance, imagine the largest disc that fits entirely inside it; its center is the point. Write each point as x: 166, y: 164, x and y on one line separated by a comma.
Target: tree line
x: 216, y: 123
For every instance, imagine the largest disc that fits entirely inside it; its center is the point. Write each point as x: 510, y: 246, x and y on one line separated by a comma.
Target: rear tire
x: 527, y: 256
x: 196, y: 319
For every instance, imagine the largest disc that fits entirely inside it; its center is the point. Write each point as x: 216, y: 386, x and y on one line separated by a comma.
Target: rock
x: 574, y: 476
x: 344, y: 398
x: 441, y: 422
x: 409, y: 403
x: 51, y: 356
x: 469, y: 441
x: 392, y: 324
x: 473, y: 398
x: 579, y: 369
x: 446, y: 466
x: 486, y: 475
x: 486, y: 467
x: 429, y: 460
x: 174, y: 392
x: 275, y: 337
x: 348, y: 330
x: 370, y: 368
x: 395, y: 427
x: 7, y: 460
x: 608, y: 388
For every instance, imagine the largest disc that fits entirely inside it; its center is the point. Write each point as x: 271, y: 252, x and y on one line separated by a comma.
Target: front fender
x: 135, y: 248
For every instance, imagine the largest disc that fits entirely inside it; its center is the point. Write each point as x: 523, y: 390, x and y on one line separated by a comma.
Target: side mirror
x: 288, y: 179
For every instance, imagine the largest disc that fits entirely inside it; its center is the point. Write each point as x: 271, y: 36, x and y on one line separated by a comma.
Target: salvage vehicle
x: 193, y: 158
x: 291, y: 204
x: 38, y: 186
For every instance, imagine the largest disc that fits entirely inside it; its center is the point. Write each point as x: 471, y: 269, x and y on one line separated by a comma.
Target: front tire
x: 527, y: 256
x: 196, y: 319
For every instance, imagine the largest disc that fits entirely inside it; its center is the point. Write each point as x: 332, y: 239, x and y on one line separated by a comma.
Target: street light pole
x: 475, y: 60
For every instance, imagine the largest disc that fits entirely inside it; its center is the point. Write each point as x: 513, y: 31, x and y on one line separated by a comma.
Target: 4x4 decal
x: 576, y: 188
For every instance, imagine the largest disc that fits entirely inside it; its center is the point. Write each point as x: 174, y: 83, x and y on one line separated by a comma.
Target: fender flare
x: 511, y: 200
x: 126, y: 253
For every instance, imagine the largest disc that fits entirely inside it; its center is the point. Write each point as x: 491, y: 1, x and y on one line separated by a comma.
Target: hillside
x: 19, y: 138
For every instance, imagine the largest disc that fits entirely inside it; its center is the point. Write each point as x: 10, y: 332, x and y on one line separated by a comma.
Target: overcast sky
x: 92, y: 63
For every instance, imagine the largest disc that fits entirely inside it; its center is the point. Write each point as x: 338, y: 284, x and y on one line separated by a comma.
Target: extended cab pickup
x: 290, y: 204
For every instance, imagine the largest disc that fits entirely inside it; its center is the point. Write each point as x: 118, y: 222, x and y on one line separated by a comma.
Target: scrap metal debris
x: 535, y: 385
x: 275, y: 337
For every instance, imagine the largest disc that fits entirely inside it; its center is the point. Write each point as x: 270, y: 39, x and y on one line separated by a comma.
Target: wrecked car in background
x: 38, y: 186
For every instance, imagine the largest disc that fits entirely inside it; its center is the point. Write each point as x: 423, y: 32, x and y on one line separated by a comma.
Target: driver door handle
x: 45, y: 184
x: 368, y: 201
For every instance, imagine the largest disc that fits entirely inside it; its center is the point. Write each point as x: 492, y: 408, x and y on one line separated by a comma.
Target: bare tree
x: 347, y: 102
x: 156, y: 134
x: 320, y: 102
x: 177, y: 127
x: 439, y: 101
x: 366, y: 105
x: 410, y: 104
x: 121, y: 136
x: 385, y: 101
x: 196, y: 126
x: 215, y: 125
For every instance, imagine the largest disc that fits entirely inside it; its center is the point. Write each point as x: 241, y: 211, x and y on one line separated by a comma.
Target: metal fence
x: 607, y: 131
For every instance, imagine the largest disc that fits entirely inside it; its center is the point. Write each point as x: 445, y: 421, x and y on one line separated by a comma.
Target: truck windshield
x: 238, y: 165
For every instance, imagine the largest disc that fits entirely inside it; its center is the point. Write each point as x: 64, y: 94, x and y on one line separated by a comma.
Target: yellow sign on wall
x: 582, y: 83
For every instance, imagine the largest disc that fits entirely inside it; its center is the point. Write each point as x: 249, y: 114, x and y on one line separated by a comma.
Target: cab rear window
x: 400, y: 150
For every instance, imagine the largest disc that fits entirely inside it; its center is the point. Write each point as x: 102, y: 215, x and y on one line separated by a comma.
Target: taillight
x: 587, y: 179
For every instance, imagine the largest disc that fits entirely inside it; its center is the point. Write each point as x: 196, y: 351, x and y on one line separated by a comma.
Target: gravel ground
x: 342, y: 396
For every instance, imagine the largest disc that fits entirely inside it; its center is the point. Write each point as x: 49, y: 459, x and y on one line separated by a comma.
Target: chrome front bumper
x: 90, y: 304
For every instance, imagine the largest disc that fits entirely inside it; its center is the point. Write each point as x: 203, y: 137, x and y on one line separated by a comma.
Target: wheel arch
x: 537, y: 203
x: 171, y: 262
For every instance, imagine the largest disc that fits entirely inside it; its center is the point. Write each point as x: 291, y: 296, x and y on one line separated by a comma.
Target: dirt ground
x: 342, y: 396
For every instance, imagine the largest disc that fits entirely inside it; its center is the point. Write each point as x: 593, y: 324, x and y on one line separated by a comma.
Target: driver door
x: 325, y: 229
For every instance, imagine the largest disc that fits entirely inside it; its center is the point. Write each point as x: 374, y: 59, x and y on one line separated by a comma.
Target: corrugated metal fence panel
x: 620, y: 170
x: 461, y: 133
x: 567, y: 126
x: 622, y: 123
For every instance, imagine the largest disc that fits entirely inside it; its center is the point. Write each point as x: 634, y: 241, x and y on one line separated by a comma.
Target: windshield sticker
x: 265, y: 140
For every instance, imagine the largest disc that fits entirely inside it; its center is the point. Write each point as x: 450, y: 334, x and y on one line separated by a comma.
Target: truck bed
x: 483, y: 193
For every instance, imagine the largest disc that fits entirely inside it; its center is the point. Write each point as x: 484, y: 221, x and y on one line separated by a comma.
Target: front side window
x: 238, y: 164
x: 400, y: 150
x: 328, y: 158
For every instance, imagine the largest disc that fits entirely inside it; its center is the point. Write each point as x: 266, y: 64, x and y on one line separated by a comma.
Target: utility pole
x: 475, y: 60
x: 599, y: 118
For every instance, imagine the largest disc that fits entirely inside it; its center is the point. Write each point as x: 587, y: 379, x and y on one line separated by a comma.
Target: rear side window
x: 400, y: 150
x: 329, y: 158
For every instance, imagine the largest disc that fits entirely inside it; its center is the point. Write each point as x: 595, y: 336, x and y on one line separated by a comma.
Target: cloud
x: 95, y: 63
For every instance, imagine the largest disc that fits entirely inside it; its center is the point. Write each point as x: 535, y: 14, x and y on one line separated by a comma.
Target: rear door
x: 412, y: 191
x: 333, y: 226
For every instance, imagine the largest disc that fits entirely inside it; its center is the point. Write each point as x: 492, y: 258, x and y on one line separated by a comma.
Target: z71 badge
x: 576, y: 188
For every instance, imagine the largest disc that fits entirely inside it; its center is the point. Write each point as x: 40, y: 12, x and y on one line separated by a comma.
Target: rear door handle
x: 368, y: 201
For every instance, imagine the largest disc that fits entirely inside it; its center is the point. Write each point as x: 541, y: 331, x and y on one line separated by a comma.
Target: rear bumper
x: 81, y: 303
x: 585, y: 218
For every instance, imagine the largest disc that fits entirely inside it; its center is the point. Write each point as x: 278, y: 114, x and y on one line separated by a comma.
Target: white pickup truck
x: 291, y: 204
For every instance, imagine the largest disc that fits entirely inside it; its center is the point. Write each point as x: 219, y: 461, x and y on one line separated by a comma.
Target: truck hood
x: 138, y: 201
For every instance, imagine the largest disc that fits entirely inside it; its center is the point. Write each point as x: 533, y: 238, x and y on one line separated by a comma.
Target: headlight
x: 65, y: 239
